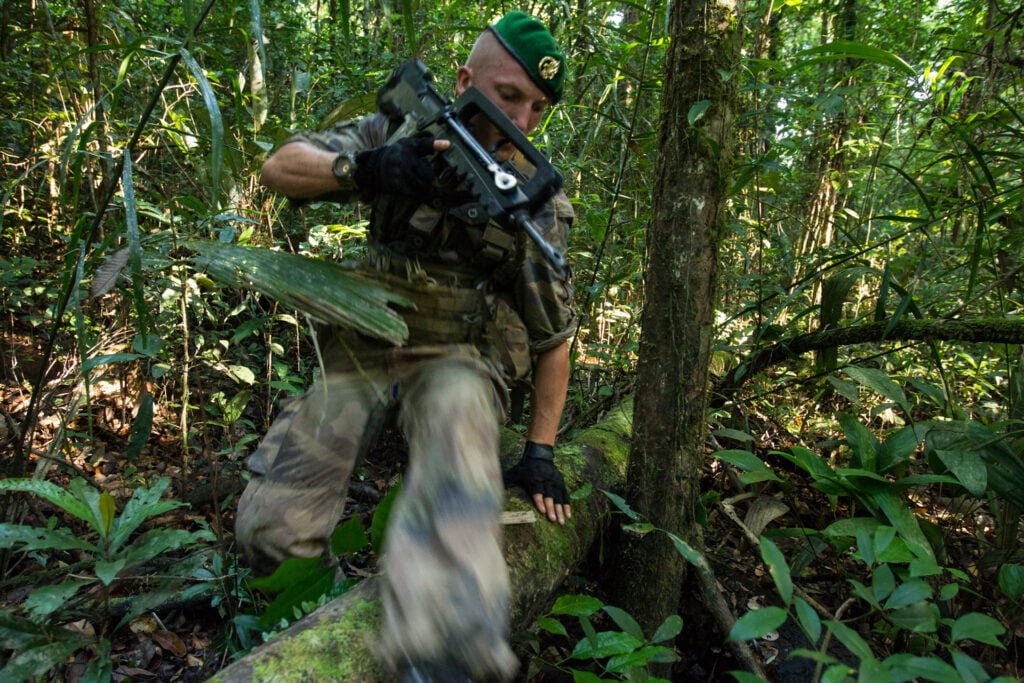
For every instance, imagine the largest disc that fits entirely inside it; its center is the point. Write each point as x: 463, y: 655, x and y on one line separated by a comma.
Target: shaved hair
x: 486, y: 50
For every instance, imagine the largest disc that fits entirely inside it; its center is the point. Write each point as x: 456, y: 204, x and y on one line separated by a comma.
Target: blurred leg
x: 446, y: 591
x: 301, y: 470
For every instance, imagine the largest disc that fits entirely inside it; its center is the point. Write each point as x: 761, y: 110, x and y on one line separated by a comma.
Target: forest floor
x: 191, y: 641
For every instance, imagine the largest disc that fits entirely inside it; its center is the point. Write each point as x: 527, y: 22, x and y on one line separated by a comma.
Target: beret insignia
x: 548, y: 67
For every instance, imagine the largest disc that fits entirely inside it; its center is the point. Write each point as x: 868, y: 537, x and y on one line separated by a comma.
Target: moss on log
x: 336, y: 641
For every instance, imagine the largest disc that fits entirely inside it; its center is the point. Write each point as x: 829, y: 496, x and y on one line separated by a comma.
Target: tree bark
x: 336, y: 641
x: 677, y: 328
x: 979, y: 330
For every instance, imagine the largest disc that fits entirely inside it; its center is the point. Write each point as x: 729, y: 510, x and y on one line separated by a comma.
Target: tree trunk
x: 336, y: 641
x: 675, y: 341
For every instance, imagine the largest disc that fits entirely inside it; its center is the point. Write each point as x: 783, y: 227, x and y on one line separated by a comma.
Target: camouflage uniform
x: 485, y: 302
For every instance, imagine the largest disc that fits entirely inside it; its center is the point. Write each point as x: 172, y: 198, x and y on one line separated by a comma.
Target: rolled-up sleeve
x: 543, y: 296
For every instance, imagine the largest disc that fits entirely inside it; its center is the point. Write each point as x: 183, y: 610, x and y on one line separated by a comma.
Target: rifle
x: 410, y: 96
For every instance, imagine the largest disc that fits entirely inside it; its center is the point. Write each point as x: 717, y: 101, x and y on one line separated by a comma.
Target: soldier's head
x: 517, y: 64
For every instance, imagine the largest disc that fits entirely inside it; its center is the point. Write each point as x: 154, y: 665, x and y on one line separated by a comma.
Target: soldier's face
x: 506, y: 84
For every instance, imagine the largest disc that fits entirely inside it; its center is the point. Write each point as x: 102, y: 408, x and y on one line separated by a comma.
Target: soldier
x: 489, y: 307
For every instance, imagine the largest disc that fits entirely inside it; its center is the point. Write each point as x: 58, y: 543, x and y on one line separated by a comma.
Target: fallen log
x: 335, y: 642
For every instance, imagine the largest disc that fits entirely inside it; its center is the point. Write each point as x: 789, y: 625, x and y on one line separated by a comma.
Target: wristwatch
x: 344, y: 168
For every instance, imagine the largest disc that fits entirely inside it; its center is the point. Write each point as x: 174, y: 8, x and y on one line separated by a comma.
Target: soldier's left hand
x: 542, y: 481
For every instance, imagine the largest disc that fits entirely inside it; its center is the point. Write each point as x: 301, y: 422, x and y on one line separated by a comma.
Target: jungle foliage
x: 876, y: 181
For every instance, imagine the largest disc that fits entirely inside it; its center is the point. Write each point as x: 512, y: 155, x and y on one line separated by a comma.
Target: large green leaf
x: 844, y: 49
x: 969, y: 469
x: 326, y: 291
x: 757, y: 623
x: 606, y: 644
x: 216, y: 122
x: 778, y: 568
x: 979, y: 627
x: 53, y: 493
x: 49, y: 599
x: 39, y: 538
x: 144, y: 503
x: 576, y: 605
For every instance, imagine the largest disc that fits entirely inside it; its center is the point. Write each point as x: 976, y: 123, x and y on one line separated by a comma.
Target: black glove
x: 537, y: 473
x: 402, y: 168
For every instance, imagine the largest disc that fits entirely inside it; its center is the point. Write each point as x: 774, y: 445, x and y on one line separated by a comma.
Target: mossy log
x: 336, y: 641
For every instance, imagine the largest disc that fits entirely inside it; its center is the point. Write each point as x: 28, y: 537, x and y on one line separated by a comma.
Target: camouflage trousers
x: 445, y: 588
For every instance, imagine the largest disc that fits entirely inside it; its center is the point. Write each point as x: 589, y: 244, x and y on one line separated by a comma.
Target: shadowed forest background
x: 798, y: 269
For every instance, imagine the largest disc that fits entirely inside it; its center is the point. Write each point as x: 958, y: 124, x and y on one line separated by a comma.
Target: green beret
x: 533, y: 46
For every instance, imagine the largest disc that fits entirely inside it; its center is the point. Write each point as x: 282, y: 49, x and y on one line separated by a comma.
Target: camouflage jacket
x: 458, y: 240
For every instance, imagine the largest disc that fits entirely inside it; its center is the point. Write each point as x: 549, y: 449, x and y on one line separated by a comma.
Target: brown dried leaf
x: 170, y: 642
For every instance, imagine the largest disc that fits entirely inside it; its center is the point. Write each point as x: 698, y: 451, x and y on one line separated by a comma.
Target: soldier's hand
x: 402, y: 168
x: 542, y: 481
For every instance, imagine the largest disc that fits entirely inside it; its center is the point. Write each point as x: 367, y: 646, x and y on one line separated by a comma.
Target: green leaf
x: 861, y: 441
x: 689, y: 553
x: 624, y: 621
x: 329, y: 292
x: 851, y: 639
x: 107, y: 570
x: 906, y: 523
x: 141, y: 427
x: 757, y: 623
x: 879, y: 382
x: 576, y: 605
x: 968, y: 468
x: 813, y: 655
x: 745, y: 677
x: 38, y: 660
x: 849, y: 527
x: 585, y: 677
x: 641, y: 658
x: 697, y: 111
x: 552, y: 626
x: 160, y: 540
x: 747, y: 461
x: 109, y: 358
x: 49, y: 599
x: 100, y: 669
x: 304, y: 580
x: 144, y: 503
x: 38, y: 538
x: 669, y: 629
x: 348, y: 537
x: 606, y: 644
x: 379, y: 523
x: 908, y: 667
x: 809, y: 462
x: 883, y: 582
x: 908, y: 593
x: 216, y: 123
x: 920, y: 617
x: 51, y: 492
x: 970, y: 670
x: 1011, y: 581
x: 778, y: 568
x: 809, y: 620
x: 619, y: 502
x: 978, y: 627
x: 844, y: 49
x: 108, y: 508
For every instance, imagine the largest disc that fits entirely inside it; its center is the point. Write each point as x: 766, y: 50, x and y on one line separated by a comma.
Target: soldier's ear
x: 463, y: 79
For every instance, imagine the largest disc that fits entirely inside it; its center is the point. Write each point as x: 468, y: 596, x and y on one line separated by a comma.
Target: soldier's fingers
x: 568, y: 511
x: 552, y: 508
x: 538, y: 500
x: 441, y: 145
x: 560, y: 512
